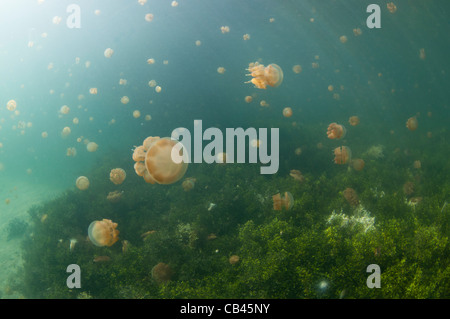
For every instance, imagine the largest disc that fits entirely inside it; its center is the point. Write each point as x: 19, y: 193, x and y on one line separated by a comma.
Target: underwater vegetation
x: 222, y: 238
x: 16, y: 228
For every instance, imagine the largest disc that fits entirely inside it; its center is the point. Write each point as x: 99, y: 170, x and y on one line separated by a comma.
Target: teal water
x: 379, y: 76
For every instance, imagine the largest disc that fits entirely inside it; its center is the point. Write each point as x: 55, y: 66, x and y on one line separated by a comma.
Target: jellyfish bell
x: 358, y: 164
x: 412, y: 123
x: 336, y: 131
x: 82, y: 183
x: 117, y: 176
x: 285, y: 202
x: 162, y: 273
x: 271, y: 75
x: 188, y: 184
x: 92, y: 147
x: 342, y: 155
x: 287, y: 112
x: 103, y: 232
x: 353, y: 120
x: 108, y: 52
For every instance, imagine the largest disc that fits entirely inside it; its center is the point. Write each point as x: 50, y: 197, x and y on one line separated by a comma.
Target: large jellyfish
x: 285, y: 202
x: 271, y: 75
x: 342, y: 155
x: 154, y: 161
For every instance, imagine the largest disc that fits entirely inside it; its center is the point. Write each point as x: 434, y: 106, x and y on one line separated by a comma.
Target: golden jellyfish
x: 122, y: 82
x: 198, y: 43
x: 162, y: 273
x: 246, y: 37
x: 298, y: 151
x: 351, y: 197
x: 64, y: 109
x: 149, y: 17
x: 11, y: 105
x: 233, y: 259
x: 336, y: 131
x: 115, y: 196
x: 221, y: 70
x: 408, y: 188
x: 92, y: 147
x: 103, y: 232
x: 391, y: 7
x: 174, y: 4
x: 330, y: 88
x: 44, y: 134
x: 353, y: 120
x: 412, y: 123
x: 136, y: 114
x: 108, y: 52
x: 158, y: 89
x: 358, y: 164
x: 422, y: 54
x: 343, y: 39
x: 75, y: 120
x: 297, y: 69
x: 152, y: 83
x: 342, y: 155
x: 225, y: 29
x: 71, y: 151
x: 142, y: 2
x: 287, y: 112
x: 125, y: 99
x: 93, y: 91
x: 151, y: 61
x: 417, y: 164
x: 248, y: 99
x: 155, y: 162
x: 264, y: 103
x: 148, y: 117
x: 285, y: 202
x: 297, y: 175
x: 66, y: 131
x: 82, y: 183
x: 117, y: 176
x: 357, y: 32
x: 188, y: 184
x: 271, y: 75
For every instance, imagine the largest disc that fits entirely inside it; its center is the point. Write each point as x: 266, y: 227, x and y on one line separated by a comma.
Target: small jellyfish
x: 66, y: 131
x: 358, y: 164
x: 233, y: 259
x: 157, y: 89
x: 174, y: 4
x: 11, y: 105
x: 271, y: 75
x: 136, y: 114
x: 342, y: 155
x: 64, y: 109
x: 93, y: 91
x: 82, y: 183
x: 92, y: 147
x: 343, y: 39
x: 221, y: 70
x: 353, y: 120
x: 417, y: 164
x: 412, y: 123
x: 108, y: 52
x: 297, y: 175
x: 246, y: 37
x: 125, y: 99
x: 148, y: 117
x: 287, y: 112
x: 152, y: 83
x: 248, y: 99
x: 151, y: 61
x: 285, y: 202
x: 149, y: 17
x: 351, y: 197
x: 115, y: 196
x: 198, y: 43
x: 103, y: 232
x: 297, y: 68
x: 391, y: 7
x: 336, y: 131
x: 117, y: 176
x: 188, y: 184
x: 225, y: 29
x: 44, y: 134
x: 162, y: 273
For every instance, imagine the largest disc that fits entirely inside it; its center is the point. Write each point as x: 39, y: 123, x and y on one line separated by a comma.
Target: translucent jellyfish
x: 115, y: 196
x: 233, y: 259
x: 108, y: 52
x: 342, y: 155
x: 75, y: 120
x: 151, y: 61
x: 343, y: 39
x: 64, y: 109
x: 44, y: 134
x: 287, y: 112
x: 358, y: 164
x: 297, y: 68
x: 271, y: 75
x: 174, y: 4
x: 156, y: 155
x: 353, y: 120
x: 148, y: 117
x: 11, y: 105
x: 248, y: 99
x: 66, y: 131
x: 336, y: 131
x: 422, y: 54
x: 225, y: 29
x: 152, y: 83
x: 162, y: 273
x: 188, y: 184
x: 82, y: 183
x: 412, y: 123
x: 198, y: 43
x: 149, y: 17
x: 56, y: 20
x: 351, y: 197
x: 122, y: 82
x: 117, y: 176
x: 221, y: 70
x: 158, y: 89
x: 71, y: 152
x: 246, y: 37
x: 136, y: 114
x: 391, y: 7
x: 103, y: 232
x: 285, y: 202
x: 125, y: 99
x: 417, y: 164
x: 92, y: 147
x: 142, y: 2
x: 93, y: 91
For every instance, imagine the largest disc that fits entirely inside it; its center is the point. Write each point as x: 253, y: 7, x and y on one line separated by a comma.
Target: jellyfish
x: 271, y: 75
x: 149, y: 17
x: 151, y: 61
x: 114, y: 196
x: 108, y: 52
x: 198, y: 43
x: 343, y: 39
x: 391, y: 7
x: 412, y: 123
x: 11, y: 105
x: 64, y: 109
x: 297, y: 68
x: 297, y: 175
x: 225, y: 29
x: 155, y: 162
x: 103, y: 232
x: 66, y: 131
x: 221, y: 70
x: 91, y: 146
x: 342, y: 155
x: 248, y: 99
x: 93, y: 91
x: 148, y: 117
x: 158, y: 89
x: 246, y: 37
x: 117, y: 176
x: 351, y: 197
x: 136, y: 114
x: 174, y: 4
x: 336, y: 131
x: 162, y: 273
x: 353, y: 120
x: 82, y: 183
x: 125, y: 99
x: 417, y: 164
x: 44, y: 134
x: 358, y: 164
x: 152, y: 83
x: 188, y: 184
x: 285, y: 202
x: 287, y: 112
x: 233, y: 259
